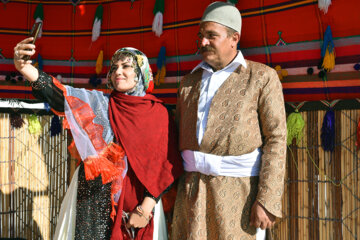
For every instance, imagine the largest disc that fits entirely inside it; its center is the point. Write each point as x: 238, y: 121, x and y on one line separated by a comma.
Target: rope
x: 264, y: 33
x: 177, y: 46
x: 293, y: 158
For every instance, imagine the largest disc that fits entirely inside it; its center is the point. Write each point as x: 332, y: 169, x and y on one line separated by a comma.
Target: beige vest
x: 233, y: 122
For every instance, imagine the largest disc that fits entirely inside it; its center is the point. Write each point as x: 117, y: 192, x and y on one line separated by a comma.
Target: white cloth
x: 260, y: 234
x: 65, y: 226
x: 232, y: 166
x: 160, y: 228
x: 99, y: 105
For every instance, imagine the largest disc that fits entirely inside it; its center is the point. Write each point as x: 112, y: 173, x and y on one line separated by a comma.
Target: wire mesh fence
x: 322, y: 188
x: 34, y: 175
x: 321, y: 201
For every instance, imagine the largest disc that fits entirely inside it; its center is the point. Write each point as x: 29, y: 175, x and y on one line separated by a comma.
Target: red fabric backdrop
x: 67, y: 32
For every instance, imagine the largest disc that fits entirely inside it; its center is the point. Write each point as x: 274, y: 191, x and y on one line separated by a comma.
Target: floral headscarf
x: 144, y: 77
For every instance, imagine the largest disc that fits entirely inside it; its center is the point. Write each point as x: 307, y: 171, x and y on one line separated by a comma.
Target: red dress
x: 147, y: 133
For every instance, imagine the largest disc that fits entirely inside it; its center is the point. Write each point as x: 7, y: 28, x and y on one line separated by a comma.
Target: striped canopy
x: 275, y: 32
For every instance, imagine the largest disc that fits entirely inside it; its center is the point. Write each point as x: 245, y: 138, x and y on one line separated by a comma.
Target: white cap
x: 223, y: 13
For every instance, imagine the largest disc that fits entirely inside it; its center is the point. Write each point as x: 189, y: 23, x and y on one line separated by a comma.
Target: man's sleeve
x: 273, y: 161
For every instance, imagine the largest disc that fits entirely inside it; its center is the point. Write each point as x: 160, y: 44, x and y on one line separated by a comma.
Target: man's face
x: 216, y: 47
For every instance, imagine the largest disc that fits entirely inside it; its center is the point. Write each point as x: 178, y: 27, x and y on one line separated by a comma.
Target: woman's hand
x: 136, y: 221
x: 140, y: 220
x: 25, y: 67
x: 20, y: 52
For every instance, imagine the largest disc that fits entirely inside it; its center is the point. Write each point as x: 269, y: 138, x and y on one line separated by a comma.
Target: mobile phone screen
x: 34, y: 33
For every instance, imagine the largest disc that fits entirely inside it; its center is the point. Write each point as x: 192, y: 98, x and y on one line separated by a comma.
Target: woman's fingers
x: 128, y: 225
x: 23, y: 49
x: 27, y: 51
x: 27, y: 40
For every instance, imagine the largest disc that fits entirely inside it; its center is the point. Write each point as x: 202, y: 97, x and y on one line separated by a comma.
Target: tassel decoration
x: 39, y: 17
x: 157, y: 26
x: 281, y: 72
x: 40, y: 62
x: 16, y: 121
x: 99, y: 62
x: 132, y: 4
x: 232, y: 1
x: 97, y: 23
x: 160, y: 76
x: 94, y: 80
x: 328, y: 131
x: 322, y: 74
x: 310, y: 71
x: 55, y: 128
x: 295, y: 125
x: 357, y: 67
x: 34, y: 124
x: 324, y: 5
x: 329, y: 61
x: 328, y: 51
x: 161, y: 66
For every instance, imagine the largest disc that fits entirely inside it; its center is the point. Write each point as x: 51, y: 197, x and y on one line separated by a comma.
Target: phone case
x: 33, y: 33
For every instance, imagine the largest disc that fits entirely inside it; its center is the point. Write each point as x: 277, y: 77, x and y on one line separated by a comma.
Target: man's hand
x: 260, y: 217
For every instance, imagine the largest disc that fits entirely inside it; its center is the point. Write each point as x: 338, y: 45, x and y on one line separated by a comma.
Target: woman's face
x: 123, y: 76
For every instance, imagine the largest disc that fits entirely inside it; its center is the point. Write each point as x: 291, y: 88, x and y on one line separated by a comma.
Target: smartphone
x: 34, y: 33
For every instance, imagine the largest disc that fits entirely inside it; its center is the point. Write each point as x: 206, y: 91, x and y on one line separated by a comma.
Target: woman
x: 126, y: 142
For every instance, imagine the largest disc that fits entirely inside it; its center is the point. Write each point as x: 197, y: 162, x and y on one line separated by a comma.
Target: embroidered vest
x: 232, y: 124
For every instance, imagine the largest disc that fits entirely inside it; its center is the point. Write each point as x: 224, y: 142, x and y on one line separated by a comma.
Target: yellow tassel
x: 329, y: 60
x: 157, y: 78
x: 162, y: 74
x: 284, y: 73
x: 99, y: 62
x: 281, y: 72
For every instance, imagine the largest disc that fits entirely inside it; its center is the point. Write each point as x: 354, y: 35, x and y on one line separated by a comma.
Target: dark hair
x: 230, y: 31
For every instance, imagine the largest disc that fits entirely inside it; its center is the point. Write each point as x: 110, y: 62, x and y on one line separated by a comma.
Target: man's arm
x: 271, y: 178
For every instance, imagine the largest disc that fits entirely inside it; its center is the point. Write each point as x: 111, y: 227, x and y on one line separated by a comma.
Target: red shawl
x: 142, y: 126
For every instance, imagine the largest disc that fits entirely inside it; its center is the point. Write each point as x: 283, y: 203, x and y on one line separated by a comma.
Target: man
x: 232, y: 125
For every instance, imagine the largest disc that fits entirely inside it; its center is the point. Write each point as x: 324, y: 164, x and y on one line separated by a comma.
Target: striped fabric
x: 67, y: 49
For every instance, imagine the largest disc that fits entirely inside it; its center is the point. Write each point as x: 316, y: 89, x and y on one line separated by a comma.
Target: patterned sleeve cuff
x: 271, y: 203
x: 42, y: 81
x: 147, y: 194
